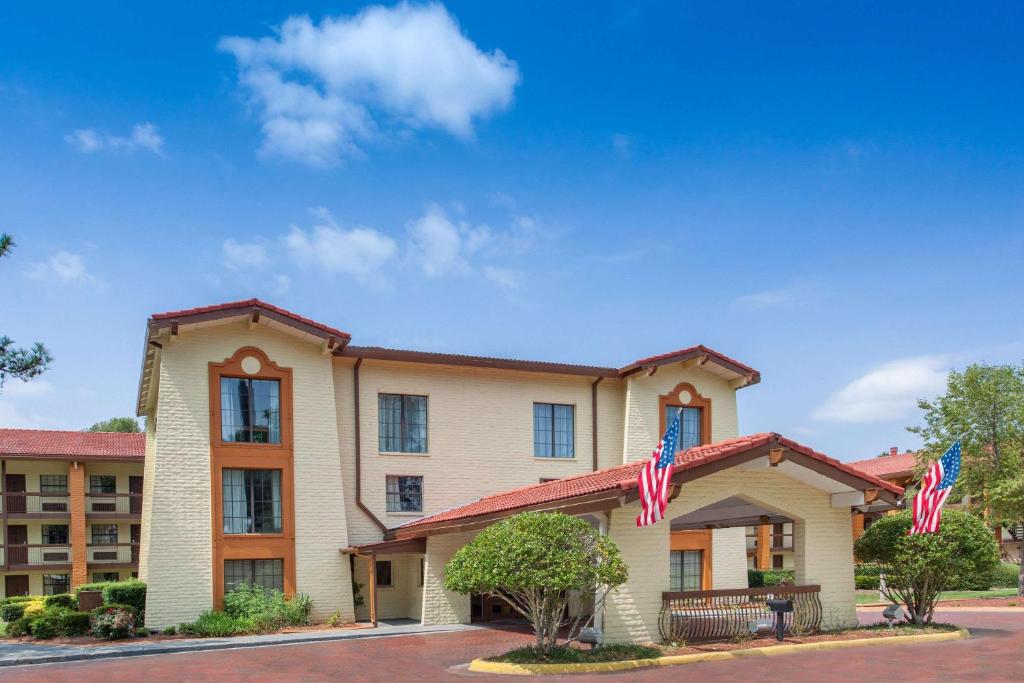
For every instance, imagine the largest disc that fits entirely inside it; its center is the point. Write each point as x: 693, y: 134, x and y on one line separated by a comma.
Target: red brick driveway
x: 994, y: 654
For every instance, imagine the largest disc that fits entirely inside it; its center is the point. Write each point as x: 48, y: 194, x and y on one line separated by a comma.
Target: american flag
x: 935, y: 488
x: 656, y: 476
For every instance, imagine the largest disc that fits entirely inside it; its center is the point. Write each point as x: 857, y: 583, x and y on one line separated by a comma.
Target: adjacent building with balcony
x: 70, y: 508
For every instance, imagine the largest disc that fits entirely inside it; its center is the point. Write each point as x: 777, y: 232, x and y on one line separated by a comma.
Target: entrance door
x: 17, y: 544
x: 135, y: 488
x: 136, y: 540
x: 16, y: 584
x: 15, y: 485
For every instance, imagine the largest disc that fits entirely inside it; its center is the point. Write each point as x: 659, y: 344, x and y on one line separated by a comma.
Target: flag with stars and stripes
x: 935, y: 488
x: 655, y: 479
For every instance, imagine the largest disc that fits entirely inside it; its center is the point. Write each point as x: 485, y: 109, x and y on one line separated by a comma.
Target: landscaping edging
x: 484, y: 666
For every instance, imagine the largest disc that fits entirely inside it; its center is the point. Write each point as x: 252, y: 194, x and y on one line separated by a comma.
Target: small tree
x: 17, y: 363
x: 917, y: 568
x: 532, y: 561
x: 117, y: 424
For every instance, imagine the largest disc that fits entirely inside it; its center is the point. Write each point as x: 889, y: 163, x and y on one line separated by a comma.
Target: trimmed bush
x: 757, y: 578
x: 75, y: 623
x: 20, y: 598
x: 169, y: 631
x: 65, y: 600
x: 12, y: 611
x: 98, y: 586
x: 47, y: 624
x: 1006, y: 575
x: 113, y: 622
x: 33, y: 608
x: 867, y: 582
x: 215, y: 625
x: 132, y: 593
x: 19, y: 627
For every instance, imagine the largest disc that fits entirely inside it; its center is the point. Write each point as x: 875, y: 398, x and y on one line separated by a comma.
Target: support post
x: 372, y: 559
x: 764, y: 546
x: 77, y: 535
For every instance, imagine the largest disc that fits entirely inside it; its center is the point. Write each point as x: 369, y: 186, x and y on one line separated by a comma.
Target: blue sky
x: 830, y: 194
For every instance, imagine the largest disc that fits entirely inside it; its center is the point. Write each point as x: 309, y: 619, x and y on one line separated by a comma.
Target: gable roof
x: 701, y: 352
x: 246, y: 306
x: 613, y: 482
x: 68, y: 445
x: 891, y: 465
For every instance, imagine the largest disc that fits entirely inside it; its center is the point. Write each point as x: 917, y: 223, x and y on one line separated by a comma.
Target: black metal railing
x: 694, y: 616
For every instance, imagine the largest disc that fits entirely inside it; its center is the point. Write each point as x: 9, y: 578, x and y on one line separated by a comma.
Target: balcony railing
x: 35, y: 503
x: 692, y: 616
x: 782, y: 541
x: 25, y: 555
x: 113, y: 553
x: 116, y: 504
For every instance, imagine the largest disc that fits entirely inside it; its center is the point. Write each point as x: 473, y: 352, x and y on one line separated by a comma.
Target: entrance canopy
x: 617, y: 486
x: 731, y: 512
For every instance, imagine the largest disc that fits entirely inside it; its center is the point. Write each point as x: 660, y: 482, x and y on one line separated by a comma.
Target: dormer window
x: 690, y: 424
x: 695, y: 421
x: 250, y: 410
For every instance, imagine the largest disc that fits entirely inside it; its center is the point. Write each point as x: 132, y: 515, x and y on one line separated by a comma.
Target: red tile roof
x: 46, y: 443
x: 887, y: 465
x: 623, y: 478
x: 691, y: 351
x: 249, y: 304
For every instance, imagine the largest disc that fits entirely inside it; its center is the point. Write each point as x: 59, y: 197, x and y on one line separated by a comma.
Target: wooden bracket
x: 775, y: 456
x: 651, y: 369
x: 254, y: 319
x: 764, y: 519
x: 174, y: 331
x: 327, y: 346
x: 676, y: 490
x: 870, y: 495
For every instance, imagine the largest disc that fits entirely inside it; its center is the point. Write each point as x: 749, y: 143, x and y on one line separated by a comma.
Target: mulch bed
x: 87, y: 641
x: 983, y: 602
x: 853, y: 634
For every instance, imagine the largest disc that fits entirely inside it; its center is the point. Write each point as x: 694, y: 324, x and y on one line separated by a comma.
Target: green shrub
x: 47, y: 624
x: 20, y: 598
x: 12, y: 611
x: 169, y: 631
x: 132, y: 593
x: 113, y: 622
x: 65, y: 600
x: 263, y: 609
x: 755, y: 578
x: 19, y: 627
x: 75, y: 623
x: 773, y: 577
x: 864, y: 569
x: 98, y: 586
x: 215, y: 625
x: 1006, y: 575
x: 866, y: 582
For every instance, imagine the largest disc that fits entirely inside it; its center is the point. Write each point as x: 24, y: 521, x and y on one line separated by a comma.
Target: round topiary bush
x: 917, y: 568
x: 48, y: 624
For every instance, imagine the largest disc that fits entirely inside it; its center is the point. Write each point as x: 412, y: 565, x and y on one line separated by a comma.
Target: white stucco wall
x: 441, y: 606
x: 729, y: 558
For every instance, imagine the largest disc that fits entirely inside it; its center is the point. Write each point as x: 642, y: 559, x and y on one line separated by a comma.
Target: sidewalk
x: 41, y: 652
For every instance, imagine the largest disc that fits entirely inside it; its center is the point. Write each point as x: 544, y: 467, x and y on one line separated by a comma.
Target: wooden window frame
x: 252, y: 504
x: 377, y: 573
x: 672, y: 400
x: 696, y: 540
x: 403, y: 423
x: 252, y: 456
x: 387, y: 493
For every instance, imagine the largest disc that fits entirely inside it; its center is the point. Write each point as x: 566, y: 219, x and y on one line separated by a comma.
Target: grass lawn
x: 866, y: 597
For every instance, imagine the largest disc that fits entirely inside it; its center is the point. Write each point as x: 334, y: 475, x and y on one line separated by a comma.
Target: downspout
x: 359, y: 479
x: 593, y: 413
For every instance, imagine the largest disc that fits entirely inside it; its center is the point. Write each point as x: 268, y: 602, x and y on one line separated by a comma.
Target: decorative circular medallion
x: 251, y: 365
x: 684, y: 396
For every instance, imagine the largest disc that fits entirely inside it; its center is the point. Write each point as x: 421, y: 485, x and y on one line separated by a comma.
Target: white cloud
x: 888, y: 392
x: 33, y: 388
x: 322, y: 90
x: 794, y: 295
x: 143, y: 136
x: 65, y: 267
x: 238, y: 255
x: 506, y: 278
x: 436, y: 243
x: 360, y: 252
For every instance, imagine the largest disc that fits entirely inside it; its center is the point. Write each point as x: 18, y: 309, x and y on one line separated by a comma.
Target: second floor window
x: 402, y: 423
x: 55, y: 534
x: 250, y: 410
x: 53, y: 483
x: 104, y: 534
x: 405, y: 494
x: 690, y: 424
x: 102, y: 483
x: 252, y: 501
x: 552, y: 430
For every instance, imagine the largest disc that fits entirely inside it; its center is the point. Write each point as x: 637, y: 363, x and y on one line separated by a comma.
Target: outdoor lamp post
x: 780, y: 606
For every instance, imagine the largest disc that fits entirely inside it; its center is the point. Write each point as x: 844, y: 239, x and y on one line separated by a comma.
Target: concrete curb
x: 484, y: 666
x: 144, y: 650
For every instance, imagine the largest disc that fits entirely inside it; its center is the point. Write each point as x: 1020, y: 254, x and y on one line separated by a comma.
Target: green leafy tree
x: 987, y: 403
x: 917, y: 568
x: 18, y: 363
x: 532, y: 561
x: 117, y: 424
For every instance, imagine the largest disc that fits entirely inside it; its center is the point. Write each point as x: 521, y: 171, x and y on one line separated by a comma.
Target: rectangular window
x: 104, y: 534
x: 55, y: 534
x: 685, y: 570
x: 689, y: 423
x: 402, y: 423
x: 252, y: 501
x: 777, y: 562
x: 404, y: 494
x: 53, y: 483
x: 102, y: 483
x: 553, y: 430
x: 55, y: 584
x: 266, y: 573
x: 100, y: 577
x: 383, y: 568
x: 250, y: 410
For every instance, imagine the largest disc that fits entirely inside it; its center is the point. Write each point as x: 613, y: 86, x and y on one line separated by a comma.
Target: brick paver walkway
x: 994, y: 654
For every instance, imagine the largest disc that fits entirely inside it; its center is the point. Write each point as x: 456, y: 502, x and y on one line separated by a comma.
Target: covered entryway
x: 388, y: 580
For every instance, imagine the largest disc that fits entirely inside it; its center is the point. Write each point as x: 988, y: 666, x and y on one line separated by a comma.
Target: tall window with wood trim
x: 252, y: 467
x: 696, y: 417
x: 402, y: 423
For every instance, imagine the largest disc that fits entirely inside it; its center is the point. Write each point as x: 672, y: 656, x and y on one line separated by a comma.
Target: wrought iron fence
x: 694, y: 616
